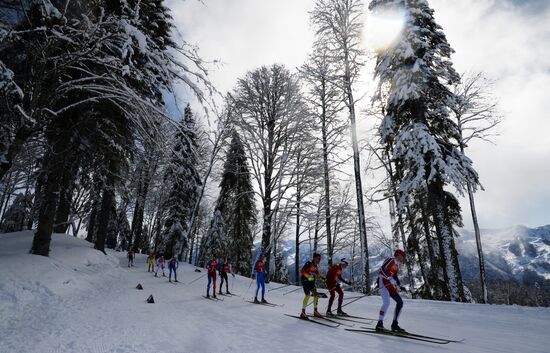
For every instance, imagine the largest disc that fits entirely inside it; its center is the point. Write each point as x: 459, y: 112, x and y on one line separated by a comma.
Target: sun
x: 383, y: 28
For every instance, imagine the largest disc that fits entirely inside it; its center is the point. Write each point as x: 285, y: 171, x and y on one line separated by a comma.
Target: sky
x: 509, y: 40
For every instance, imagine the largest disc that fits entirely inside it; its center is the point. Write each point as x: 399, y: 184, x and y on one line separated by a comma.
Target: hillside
x: 79, y: 300
x: 516, y: 253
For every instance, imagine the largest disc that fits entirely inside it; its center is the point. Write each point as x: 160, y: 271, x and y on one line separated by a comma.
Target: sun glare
x: 383, y: 28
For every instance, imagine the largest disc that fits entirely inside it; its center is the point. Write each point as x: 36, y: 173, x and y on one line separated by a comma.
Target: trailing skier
x: 130, y: 258
x: 224, y: 269
x: 173, y: 265
x: 211, y: 267
x: 258, y: 273
x: 334, y: 273
x: 160, y: 264
x: 388, y: 283
x: 309, y: 272
x: 151, y: 263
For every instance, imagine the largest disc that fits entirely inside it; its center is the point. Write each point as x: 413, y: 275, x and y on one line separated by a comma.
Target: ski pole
x: 354, y: 300
x: 292, y: 291
x: 277, y: 288
x: 196, y: 279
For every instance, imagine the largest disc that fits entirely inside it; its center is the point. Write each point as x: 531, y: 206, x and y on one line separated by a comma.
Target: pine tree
x: 236, y: 204
x: 417, y: 130
x: 183, y: 176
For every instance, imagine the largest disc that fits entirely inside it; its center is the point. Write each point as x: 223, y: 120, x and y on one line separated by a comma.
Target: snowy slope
x: 79, y: 300
x: 513, y: 252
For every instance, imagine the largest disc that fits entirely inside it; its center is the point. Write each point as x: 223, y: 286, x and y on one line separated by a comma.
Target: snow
x: 79, y: 300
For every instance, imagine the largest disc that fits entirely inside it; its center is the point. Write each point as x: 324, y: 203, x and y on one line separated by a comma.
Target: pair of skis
x: 213, y: 298
x: 406, y: 335
x: 333, y: 323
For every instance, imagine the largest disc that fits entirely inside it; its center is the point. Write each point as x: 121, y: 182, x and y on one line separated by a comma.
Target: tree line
x: 87, y: 146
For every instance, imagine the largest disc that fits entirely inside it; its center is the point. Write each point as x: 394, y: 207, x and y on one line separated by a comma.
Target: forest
x: 93, y: 143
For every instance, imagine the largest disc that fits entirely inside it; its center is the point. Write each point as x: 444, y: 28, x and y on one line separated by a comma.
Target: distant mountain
x: 517, y: 253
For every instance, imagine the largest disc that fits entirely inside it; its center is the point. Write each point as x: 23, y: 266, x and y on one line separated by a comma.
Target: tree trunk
x: 297, y: 256
x: 328, y: 227
x: 107, y: 203
x: 53, y: 169
x: 445, y: 234
x: 357, y: 172
x: 65, y: 195
x: 144, y: 180
x: 482, y: 277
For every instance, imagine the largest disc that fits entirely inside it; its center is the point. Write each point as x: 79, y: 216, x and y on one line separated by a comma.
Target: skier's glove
x: 253, y: 276
x: 403, y: 288
x: 393, y: 282
x: 233, y: 274
x: 311, y: 278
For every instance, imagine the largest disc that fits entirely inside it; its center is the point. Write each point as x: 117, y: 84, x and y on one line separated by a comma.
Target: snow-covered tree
x: 184, y: 179
x: 417, y: 129
x: 236, y: 205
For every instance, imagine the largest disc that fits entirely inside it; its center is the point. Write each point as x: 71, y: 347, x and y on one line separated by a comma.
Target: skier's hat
x: 399, y: 252
x: 344, y: 261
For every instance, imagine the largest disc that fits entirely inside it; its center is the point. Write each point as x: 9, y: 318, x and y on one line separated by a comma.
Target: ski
x: 329, y: 319
x: 397, y: 334
x: 420, y: 336
x: 213, y: 299
x: 314, y: 321
x: 342, y: 317
x: 266, y: 304
x: 356, y: 317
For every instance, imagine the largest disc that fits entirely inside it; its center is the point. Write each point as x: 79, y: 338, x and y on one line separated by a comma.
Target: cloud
x: 507, y: 39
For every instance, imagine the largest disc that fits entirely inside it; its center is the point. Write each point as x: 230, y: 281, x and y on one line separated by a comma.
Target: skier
x: 388, y: 284
x: 151, y: 263
x: 309, y: 271
x: 335, y: 272
x: 211, y: 267
x: 258, y: 273
x: 130, y: 258
x: 160, y: 264
x: 173, y: 265
x: 224, y: 269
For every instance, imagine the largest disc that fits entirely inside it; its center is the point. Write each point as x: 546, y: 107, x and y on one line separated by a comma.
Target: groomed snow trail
x: 79, y: 300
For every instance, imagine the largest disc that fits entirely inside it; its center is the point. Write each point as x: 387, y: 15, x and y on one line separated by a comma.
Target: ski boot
x: 214, y: 295
x: 169, y: 280
x: 264, y: 301
x: 156, y: 275
x: 227, y: 292
x: 303, y: 315
x: 341, y: 312
x: 329, y: 313
x: 163, y: 275
x: 175, y: 280
x: 380, y: 326
x: 220, y: 292
x: 316, y: 313
x: 256, y: 301
x: 395, y: 328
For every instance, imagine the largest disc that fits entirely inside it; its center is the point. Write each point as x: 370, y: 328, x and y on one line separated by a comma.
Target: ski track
x: 97, y: 309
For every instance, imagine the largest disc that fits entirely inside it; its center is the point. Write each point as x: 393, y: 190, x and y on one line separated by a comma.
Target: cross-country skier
x: 258, y: 273
x: 160, y: 264
x: 173, y: 265
x: 211, y: 267
x: 334, y: 273
x: 151, y: 263
x: 225, y: 268
x: 388, y: 282
x: 130, y: 258
x: 309, y: 273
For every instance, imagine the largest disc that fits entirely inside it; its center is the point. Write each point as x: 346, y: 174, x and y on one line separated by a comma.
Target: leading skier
x: 388, y: 283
